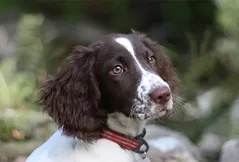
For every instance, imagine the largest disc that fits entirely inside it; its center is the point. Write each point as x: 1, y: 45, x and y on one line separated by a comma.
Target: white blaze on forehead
x: 126, y: 43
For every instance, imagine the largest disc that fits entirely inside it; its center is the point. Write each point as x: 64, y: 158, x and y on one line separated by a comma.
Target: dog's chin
x: 167, y: 115
x: 161, y: 115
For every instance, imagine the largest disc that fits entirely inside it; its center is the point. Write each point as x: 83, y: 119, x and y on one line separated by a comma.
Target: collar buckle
x: 143, y: 146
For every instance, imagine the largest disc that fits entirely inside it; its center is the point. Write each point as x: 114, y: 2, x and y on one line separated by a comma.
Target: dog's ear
x: 164, y: 64
x: 72, y: 97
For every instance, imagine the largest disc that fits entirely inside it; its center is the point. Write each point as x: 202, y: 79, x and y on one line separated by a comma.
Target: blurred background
x: 200, y: 36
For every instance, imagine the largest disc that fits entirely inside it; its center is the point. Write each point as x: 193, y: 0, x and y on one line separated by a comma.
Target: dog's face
x: 129, y: 80
x: 120, y: 73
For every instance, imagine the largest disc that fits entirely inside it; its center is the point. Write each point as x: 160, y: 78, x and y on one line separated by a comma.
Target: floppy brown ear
x: 72, y: 97
x: 164, y: 64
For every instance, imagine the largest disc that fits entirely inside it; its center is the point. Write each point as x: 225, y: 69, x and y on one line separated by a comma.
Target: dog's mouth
x: 162, y: 114
x: 152, y: 110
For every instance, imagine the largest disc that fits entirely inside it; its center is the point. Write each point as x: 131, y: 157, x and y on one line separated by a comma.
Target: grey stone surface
x: 230, y: 151
x: 210, y: 144
x: 171, y: 144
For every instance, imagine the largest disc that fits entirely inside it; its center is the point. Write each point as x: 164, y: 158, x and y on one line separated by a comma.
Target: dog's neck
x: 125, y: 125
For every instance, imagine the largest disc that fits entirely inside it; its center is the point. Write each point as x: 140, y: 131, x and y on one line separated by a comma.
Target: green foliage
x: 228, y: 16
x: 6, y: 130
x: 18, y: 89
x: 29, y: 44
x: 19, y: 74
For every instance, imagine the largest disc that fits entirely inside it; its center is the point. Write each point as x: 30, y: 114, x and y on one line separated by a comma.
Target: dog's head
x: 129, y: 74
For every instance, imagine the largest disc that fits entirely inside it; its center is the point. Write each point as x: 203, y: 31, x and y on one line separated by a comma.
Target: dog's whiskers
x: 179, y: 103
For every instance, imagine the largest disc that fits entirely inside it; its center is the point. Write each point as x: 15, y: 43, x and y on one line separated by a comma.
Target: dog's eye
x: 116, y: 70
x: 151, y: 59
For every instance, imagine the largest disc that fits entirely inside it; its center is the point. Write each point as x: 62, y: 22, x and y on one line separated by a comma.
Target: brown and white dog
x: 117, y: 83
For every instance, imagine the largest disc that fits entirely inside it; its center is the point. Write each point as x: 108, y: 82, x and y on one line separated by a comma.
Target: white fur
x: 120, y: 123
x: 149, y: 82
x: 60, y: 148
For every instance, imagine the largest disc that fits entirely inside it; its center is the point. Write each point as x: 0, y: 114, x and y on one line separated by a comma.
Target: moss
x: 5, y: 130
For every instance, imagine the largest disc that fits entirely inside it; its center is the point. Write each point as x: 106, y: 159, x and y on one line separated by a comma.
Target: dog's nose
x: 161, y: 95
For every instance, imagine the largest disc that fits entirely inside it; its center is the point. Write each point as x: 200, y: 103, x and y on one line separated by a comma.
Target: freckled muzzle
x: 154, y: 104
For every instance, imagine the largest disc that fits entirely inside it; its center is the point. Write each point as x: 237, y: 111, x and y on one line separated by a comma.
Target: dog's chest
x: 67, y: 150
x: 106, y: 151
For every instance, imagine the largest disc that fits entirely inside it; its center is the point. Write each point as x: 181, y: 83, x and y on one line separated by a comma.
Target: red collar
x: 136, y: 144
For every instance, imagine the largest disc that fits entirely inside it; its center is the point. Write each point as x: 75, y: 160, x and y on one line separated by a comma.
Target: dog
x: 102, y: 97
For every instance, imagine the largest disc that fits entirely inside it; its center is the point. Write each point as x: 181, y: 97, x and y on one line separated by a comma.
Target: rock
x: 169, y: 149
x: 171, y: 144
x: 230, y: 151
x: 210, y: 145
